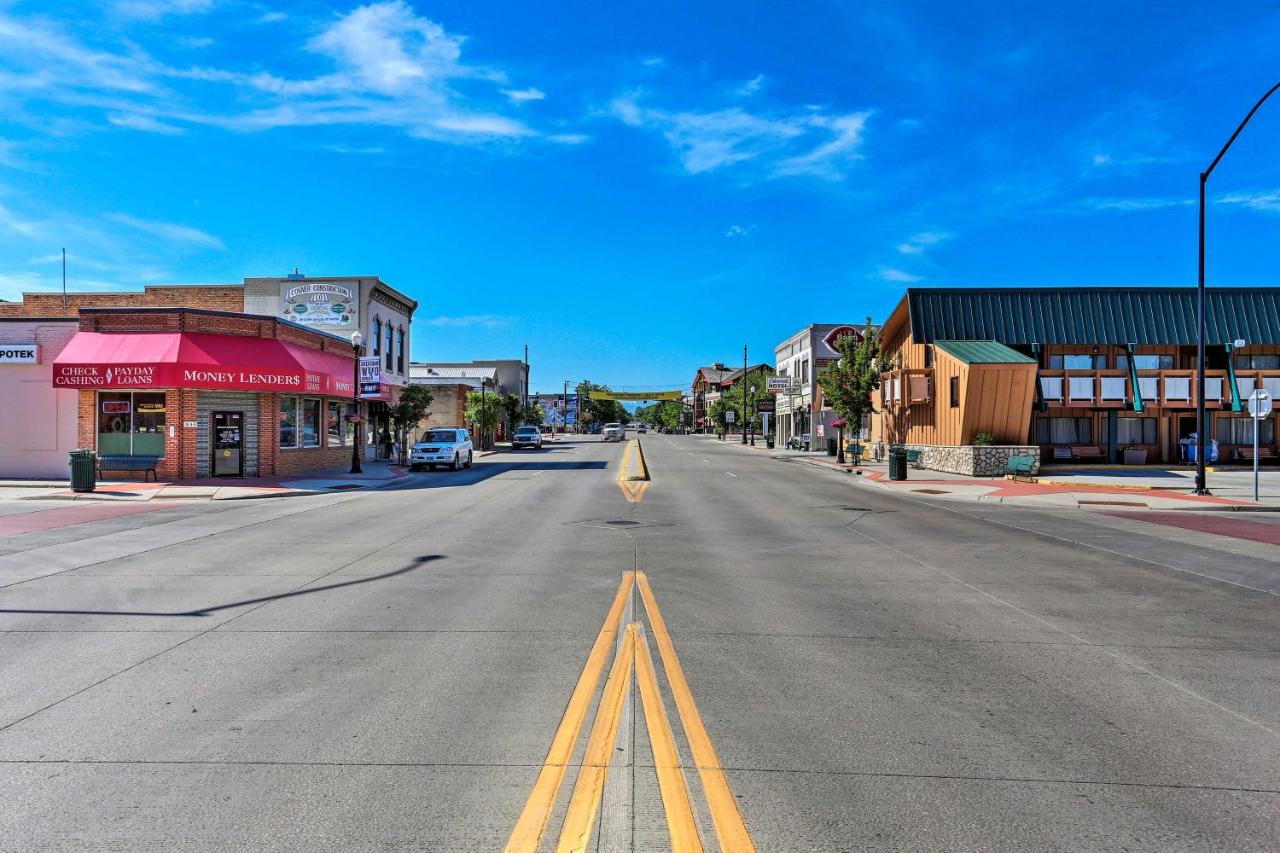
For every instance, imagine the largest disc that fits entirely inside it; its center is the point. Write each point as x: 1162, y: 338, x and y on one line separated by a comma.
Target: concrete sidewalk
x: 1063, y: 488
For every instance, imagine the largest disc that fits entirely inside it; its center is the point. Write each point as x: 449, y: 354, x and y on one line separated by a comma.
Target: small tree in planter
x: 850, y: 382
x: 414, y: 405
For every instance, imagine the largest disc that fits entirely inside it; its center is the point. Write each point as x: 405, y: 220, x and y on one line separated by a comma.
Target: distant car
x: 450, y: 446
x: 642, y: 428
x: 613, y: 432
x: 527, y: 436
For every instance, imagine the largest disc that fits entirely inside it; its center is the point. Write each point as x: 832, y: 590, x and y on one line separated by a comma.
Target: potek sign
x: 19, y: 353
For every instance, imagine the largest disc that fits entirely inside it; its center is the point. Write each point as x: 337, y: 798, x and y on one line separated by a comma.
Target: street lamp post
x: 356, y: 339
x: 484, y: 432
x: 564, y: 402
x: 1201, y: 332
x: 744, y: 394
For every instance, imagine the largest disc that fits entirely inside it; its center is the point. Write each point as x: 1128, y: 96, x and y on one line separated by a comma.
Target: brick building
x: 210, y: 393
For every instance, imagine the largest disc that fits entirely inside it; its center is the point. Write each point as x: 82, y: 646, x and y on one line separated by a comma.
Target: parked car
x: 450, y: 446
x: 613, y: 432
x: 526, y: 436
x: 643, y: 428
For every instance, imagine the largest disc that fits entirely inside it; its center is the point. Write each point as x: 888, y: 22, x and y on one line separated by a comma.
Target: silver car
x: 613, y: 432
x: 526, y: 436
x: 450, y: 446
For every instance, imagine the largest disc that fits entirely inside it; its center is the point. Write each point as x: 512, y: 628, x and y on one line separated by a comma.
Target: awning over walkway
x: 131, y: 360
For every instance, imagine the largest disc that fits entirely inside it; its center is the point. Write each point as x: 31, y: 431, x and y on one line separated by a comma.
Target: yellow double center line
x: 632, y: 660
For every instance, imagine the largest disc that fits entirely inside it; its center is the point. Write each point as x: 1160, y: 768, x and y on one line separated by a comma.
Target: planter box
x: 973, y: 460
x: 1136, y: 456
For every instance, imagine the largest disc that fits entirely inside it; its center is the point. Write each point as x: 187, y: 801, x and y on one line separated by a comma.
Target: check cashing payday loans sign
x: 320, y: 304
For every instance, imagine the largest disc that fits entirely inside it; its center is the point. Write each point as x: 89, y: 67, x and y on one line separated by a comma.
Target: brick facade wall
x: 180, y: 460
x: 215, y: 297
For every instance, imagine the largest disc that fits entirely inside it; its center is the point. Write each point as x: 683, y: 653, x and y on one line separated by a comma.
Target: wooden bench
x: 1264, y: 453
x: 128, y: 463
x: 915, y: 458
x: 1086, y: 451
x: 1020, y: 466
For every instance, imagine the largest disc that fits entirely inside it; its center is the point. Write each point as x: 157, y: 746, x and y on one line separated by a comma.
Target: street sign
x: 766, y: 405
x: 1259, y: 403
x: 730, y: 416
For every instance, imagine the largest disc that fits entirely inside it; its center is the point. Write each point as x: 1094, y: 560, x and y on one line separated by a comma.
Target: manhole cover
x: 932, y: 491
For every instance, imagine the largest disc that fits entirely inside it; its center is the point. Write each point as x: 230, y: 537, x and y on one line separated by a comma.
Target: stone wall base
x: 971, y: 460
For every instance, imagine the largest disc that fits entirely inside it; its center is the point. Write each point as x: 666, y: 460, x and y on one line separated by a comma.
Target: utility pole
x: 526, y: 376
x: 64, y: 281
x: 564, y: 427
x: 744, y: 394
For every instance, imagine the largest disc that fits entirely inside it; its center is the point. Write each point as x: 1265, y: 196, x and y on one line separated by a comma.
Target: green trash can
x: 768, y: 442
x: 831, y: 447
x: 897, y: 464
x: 84, y: 470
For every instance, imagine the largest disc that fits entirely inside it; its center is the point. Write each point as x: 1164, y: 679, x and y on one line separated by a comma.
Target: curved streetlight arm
x: 1201, y: 488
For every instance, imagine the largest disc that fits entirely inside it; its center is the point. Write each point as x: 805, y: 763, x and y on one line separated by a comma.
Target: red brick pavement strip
x: 1222, y: 525
x: 50, y: 519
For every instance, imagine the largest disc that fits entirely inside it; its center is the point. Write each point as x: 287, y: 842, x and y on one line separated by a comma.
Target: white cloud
x: 388, y: 66
x: 488, y: 321
x: 1266, y: 200
x: 138, y: 121
x: 810, y: 143
x: 168, y: 231
x: 1132, y: 205
x: 897, y: 276
x: 153, y: 9
x: 20, y: 225
x: 917, y: 243
x: 653, y: 62
x: 751, y: 86
x: 569, y: 138
x: 736, y: 231
x: 272, y: 17
x: 521, y: 95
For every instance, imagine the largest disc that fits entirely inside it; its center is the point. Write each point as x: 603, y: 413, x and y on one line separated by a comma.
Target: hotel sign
x: 19, y: 353
x: 318, y: 304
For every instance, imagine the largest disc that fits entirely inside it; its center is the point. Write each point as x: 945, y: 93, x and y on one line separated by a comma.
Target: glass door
x: 228, y: 444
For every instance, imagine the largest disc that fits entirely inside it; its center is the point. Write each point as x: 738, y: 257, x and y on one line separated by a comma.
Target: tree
x: 533, y: 414
x: 595, y: 411
x: 850, y: 383
x: 414, y: 405
x: 482, y: 412
x: 755, y: 386
x: 514, y: 408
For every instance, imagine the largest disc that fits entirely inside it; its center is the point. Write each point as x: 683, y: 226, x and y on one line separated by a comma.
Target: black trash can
x: 84, y: 470
x: 897, y: 464
x: 768, y: 442
x: 831, y: 447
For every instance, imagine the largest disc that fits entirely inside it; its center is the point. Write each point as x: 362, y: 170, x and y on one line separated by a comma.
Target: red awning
x: 199, y: 360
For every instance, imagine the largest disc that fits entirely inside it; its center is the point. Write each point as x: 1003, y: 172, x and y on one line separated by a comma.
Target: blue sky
x: 634, y: 189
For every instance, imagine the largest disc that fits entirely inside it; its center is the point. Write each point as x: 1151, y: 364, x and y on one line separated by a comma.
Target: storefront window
x: 1240, y: 431
x: 1131, y: 431
x: 1064, y: 431
x: 288, y: 421
x: 310, y: 423
x: 337, y: 427
x: 131, y: 424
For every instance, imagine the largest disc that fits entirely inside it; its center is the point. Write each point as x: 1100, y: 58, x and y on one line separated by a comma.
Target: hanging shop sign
x: 19, y: 353
x: 370, y: 377
x: 320, y: 304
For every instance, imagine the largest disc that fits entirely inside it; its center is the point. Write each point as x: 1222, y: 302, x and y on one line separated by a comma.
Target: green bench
x: 128, y: 463
x: 1020, y: 466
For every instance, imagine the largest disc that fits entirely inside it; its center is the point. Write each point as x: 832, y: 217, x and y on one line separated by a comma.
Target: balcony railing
x: 1164, y: 388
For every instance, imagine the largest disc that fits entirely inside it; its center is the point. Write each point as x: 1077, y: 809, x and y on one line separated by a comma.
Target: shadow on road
x: 491, y: 467
x: 207, y: 611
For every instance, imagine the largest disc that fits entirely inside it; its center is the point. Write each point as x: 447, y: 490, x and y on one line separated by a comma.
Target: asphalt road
x: 393, y: 669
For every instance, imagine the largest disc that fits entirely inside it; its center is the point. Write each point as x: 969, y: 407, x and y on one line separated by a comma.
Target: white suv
x: 450, y: 446
x: 613, y: 432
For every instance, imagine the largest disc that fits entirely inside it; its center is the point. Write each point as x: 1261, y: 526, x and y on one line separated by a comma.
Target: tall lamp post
x: 564, y: 400
x: 484, y: 421
x: 1201, y: 488
x: 744, y: 393
x: 356, y: 351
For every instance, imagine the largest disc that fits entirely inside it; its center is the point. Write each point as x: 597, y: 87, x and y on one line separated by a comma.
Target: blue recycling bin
x: 1210, y: 449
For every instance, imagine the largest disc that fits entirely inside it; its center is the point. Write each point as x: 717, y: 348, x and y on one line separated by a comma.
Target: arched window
x: 400, y: 350
x: 391, y: 334
x: 377, y: 336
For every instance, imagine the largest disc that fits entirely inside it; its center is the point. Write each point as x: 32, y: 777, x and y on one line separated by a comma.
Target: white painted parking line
x: 731, y: 474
